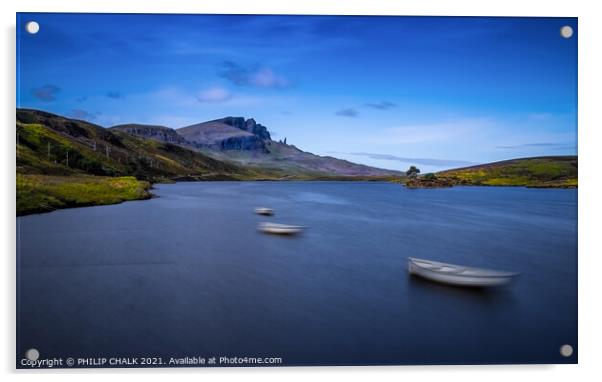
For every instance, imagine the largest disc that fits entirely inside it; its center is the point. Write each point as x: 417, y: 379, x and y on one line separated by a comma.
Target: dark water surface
x: 188, y: 274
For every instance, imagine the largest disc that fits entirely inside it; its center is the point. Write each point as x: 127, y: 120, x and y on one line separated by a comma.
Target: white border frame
x: 590, y: 254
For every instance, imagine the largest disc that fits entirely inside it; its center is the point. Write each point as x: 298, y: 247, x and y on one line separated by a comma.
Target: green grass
x: 557, y: 172
x: 43, y: 193
x: 65, y: 163
x: 45, y: 141
x: 42, y: 150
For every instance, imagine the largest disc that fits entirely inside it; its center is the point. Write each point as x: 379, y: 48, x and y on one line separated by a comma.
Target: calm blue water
x: 188, y: 274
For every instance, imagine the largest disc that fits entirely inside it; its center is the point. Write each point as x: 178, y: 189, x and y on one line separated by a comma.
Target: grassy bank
x: 544, y: 172
x: 43, y: 193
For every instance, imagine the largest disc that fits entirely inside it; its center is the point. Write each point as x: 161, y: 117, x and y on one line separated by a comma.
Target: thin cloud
x: 234, y: 73
x: 115, y: 95
x: 46, y: 93
x: 430, y: 132
x: 348, y: 112
x: 214, y: 95
x: 82, y: 114
x: 266, y: 78
x: 535, y: 145
x: 383, y: 105
x: 262, y: 77
x: 418, y: 161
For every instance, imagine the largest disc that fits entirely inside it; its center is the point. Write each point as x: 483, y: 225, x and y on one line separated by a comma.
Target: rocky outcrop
x: 230, y: 133
x: 244, y: 142
x: 159, y: 133
x: 232, y: 147
x: 257, y: 129
x: 248, y: 125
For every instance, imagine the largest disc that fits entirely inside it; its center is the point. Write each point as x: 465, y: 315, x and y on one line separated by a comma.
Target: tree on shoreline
x: 413, y: 171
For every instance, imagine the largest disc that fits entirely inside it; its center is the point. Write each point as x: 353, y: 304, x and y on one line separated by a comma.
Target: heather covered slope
x: 53, y: 145
x: 58, y: 157
x: 550, y: 171
x: 68, y: 163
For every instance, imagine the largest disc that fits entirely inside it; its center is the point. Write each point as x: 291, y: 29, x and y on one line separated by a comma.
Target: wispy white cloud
x: 537, y: 145
x: 187, y: 100
x: 430, y: 132
x: 418, y: 161
x: 214, y: 94
x: 266, y: 78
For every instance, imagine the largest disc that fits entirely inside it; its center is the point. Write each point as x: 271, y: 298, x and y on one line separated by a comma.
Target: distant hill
x: 297, y: 163
x: 244, y: 142
x: 63, y: 162
x: 53, y: 145
x: 550, y: 171
x: 159, y: 133
x: 230, y: 133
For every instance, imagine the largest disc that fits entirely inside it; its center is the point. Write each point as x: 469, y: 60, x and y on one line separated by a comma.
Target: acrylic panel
x: 281, y: 190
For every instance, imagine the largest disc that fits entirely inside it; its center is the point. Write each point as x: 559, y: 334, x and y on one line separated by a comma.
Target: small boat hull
x: 264, y: 211
x: 280, y: 229
x: 458, y: 275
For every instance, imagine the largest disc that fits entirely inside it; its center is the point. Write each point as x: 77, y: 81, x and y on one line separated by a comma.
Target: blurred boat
x: 264, y: 211
x: 280, y: 229
x: 458, y: 275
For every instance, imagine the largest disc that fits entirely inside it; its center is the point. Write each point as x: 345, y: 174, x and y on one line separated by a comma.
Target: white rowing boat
x: 457, y: 274
x: 264, y: 211
x: 280, y: 229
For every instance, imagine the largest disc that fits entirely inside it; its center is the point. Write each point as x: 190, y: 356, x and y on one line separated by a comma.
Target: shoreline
x: 45, y: 193
x: 145, y: 193
x: 426, y: 185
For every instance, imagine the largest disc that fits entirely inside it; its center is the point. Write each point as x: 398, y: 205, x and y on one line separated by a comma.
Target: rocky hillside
x: 230, y: 133
x: 244, y: 142
x: 49, y: 144
x: 64, y: 163
x: 159, y: 133
x: 300, y: 164
x: 228, y: 148
x: 248, y: 125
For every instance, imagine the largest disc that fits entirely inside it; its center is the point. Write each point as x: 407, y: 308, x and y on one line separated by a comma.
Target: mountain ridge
x: 155, y: 153
x: 161, y: 133
x: 63, y: 162
x: 244, y: 142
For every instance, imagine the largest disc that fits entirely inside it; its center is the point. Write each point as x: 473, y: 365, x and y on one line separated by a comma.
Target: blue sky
x: 385, y: 91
